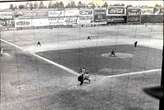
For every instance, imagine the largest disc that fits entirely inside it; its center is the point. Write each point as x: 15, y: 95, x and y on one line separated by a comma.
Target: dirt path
x: 153, y: 43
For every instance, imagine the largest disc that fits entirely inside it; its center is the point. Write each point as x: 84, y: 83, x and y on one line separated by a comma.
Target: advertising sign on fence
x: 31, y: 22
x: 23, y: 23
x: 71, y: 12
x: 71, y: 20
x: 85, y: 12
x: 116, y: 14
x: 6, y: 15
x: 116, y: 11
x: 40, y: 22
x: 99, y: 15
x: 85, y: 16
x: 56, y: 13
x: 133, y: 15
x: 116, y: 19
x: 147, y: 11
x: 85, y: 20
x: 56, y: 21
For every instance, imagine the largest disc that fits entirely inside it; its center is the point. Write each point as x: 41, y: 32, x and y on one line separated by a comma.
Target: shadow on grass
x: 155, y: 92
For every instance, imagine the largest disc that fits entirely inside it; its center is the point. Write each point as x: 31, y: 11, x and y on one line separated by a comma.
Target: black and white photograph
x: 81, y: 55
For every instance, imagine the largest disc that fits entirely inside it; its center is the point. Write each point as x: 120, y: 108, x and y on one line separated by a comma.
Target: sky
x: 97, y: 2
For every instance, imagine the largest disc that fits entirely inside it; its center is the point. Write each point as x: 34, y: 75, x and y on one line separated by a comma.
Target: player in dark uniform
x: 89, y: 37
x: 81, y: 79
x: 83, y: 76
x: 38, y: 43
x: 1, y: 51
x: 135, y: 44
x: 113, y: 53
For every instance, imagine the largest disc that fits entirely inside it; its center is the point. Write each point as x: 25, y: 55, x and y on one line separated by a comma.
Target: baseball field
x: 45, y: 77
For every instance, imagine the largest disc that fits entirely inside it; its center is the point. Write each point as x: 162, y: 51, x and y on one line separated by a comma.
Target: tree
x: 91, y: 5
x: 50, y: 4
x: 61, y: 5
x: 71, y: 5
x: 11, y: 7
x: 41, y: 5
x: 53, y: 5
x: 31, y: 6
x: 68, y: 5
x: 21, y: 7
x: 15, y: 7
x: 35, y: 5
x: 27, y: 5
x: 56, y: 5
x: 157, y: 6
x: 81, y: 5
x: 129, y: 6
x: 105, y: 5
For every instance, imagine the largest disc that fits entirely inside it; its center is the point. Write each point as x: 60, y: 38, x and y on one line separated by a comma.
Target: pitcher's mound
x: 117, y: 55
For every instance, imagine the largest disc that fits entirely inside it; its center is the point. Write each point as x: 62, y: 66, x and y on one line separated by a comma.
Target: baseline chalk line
x: 134, y: 73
